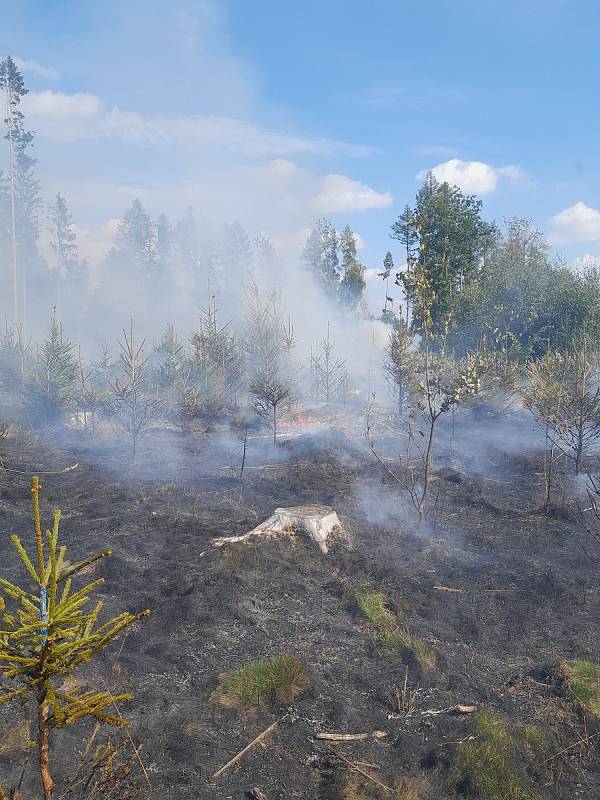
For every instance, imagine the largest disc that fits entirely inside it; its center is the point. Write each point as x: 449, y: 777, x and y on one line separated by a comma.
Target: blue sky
x: 278, y: 112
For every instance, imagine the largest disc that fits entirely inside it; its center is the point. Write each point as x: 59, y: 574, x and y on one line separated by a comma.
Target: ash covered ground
x: 527, y: 597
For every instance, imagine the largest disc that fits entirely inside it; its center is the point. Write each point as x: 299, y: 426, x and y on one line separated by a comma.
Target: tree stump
x: 318, y: 521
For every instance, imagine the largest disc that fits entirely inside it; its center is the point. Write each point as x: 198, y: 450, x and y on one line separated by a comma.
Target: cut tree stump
x: 318, y: 521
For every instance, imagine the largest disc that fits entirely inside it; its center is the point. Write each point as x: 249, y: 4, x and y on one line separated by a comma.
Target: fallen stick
x: 585, y: 740
x: 459, y: 708
x: 358, y: 769
x: 454, y: 590
x: 343, y: 737
x: 243, y: 752
x: 38, y: 471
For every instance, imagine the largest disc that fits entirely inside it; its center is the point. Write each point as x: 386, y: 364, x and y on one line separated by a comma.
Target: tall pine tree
x: 71, y: 278
x: 24, y: 191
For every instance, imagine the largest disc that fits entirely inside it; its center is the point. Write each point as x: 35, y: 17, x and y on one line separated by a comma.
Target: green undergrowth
x: 486, y: 766
x: 582, y: 685
x: 373, y: 606
x: 277, y: 681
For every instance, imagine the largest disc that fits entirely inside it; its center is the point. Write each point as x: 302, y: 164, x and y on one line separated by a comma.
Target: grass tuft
x: 373, y: 606
x: 276, y: 681
x: 582, y: 685
x: 405, y: 643
x: 485, y: 767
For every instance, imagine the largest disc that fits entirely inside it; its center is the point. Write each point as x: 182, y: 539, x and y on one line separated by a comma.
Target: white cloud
x: 47, y: 73
x: 82, y: 116
x: 512, y: 172
x: 59, y: 105
x: 577, y: 223
x: 340, y: 193
x: 472, y: 176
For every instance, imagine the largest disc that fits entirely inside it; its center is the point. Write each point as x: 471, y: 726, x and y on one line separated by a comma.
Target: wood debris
x: 248, y: 747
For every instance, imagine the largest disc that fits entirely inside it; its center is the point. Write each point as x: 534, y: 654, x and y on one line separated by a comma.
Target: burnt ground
x: 530, y: 598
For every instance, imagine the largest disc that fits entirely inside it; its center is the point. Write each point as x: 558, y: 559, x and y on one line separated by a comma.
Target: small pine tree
x: 329, y: 372
x: 54, y: 376
x: 400, y: 363
x: 49, y: 633
x: 130, y: 405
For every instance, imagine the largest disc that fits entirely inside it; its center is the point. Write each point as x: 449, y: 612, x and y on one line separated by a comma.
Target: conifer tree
x: 352, y: 284
x: 55, y: 374
x: 131, y: 406
x: 48, y: 630
x: 329, y: 372
x: 24, y: 190
x: 321, y: 255
x: 400, y: 363
x: 70, y: 279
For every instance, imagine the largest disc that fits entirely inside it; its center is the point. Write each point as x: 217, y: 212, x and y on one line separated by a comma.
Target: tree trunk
x: 274, y: 425
x: 44, y: 750
x: 427, y: 471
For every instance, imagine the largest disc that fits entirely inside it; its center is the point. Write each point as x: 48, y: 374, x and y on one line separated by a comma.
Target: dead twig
x: 459, y: 708
x: 455, y: 590
x: 405, y: 698
x: 243, y: 752
x: 356, y: 768
x: 583, y: 740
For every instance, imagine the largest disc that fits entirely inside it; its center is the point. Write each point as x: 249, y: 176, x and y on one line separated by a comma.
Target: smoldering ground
x: 523, y: 593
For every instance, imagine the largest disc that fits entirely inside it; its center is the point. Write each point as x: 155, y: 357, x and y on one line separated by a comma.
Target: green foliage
x: 400, y: 365
x: 345, y: 281
x: 485, y: 767
x: 582, y: 683
x: 445, y: 239
x: 279, y: 680
x: 215, y: 373
x: 352, y: 284
x: 523, y: 302
x: 47, y: 631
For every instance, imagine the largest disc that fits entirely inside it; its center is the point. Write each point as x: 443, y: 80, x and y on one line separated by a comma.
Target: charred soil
x: 498, y: 590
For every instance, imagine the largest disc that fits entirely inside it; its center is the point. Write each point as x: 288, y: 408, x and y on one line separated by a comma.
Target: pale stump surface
x: 318, y: 521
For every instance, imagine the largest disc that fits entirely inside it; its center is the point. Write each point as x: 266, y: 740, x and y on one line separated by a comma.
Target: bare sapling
x: 329, y: 373
x: 271, y: 391
x: 84, y: 397
x: 440, y: 384
x: 130, y: 406
x: 48, y: 631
